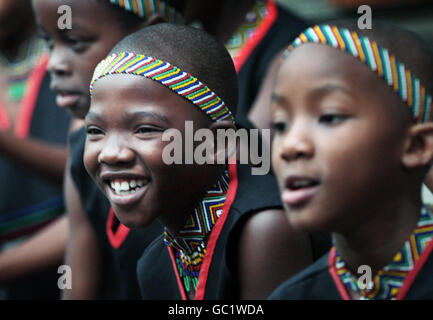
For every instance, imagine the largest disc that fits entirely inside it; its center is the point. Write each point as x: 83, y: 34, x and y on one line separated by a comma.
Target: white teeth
x: 124, y: 186
x: 133, y: 184
x: 301, y: 183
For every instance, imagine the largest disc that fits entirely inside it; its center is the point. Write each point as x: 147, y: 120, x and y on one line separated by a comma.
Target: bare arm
x: 43, y: 250
x: 270, y: 251
x: 44, y: 159
x: 83, y: 252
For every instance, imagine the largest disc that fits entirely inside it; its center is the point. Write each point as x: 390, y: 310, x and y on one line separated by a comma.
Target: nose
x: 58, y: 64
x: 297, y: 143
x: 116, y: 151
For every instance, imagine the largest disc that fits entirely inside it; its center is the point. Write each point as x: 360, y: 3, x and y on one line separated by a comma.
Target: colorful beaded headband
x: 182, y: 83
x: 146, y: 8
x: 385, y: 64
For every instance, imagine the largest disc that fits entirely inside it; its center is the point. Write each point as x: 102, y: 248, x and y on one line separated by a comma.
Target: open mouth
x: 66, y: 99
x: 125, y: 191
x: 298, y: 190
x: 124, y: 187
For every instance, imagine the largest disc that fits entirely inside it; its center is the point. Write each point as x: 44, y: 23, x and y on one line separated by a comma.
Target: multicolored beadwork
x: 190, y: 243
x: 248, y: 29
x: 388, y: 281
x: 146, y: 8
x: 180, y: 82
x: 379, y: 59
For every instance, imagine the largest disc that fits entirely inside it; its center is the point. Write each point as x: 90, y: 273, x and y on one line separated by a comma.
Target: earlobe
x: 419, y: 146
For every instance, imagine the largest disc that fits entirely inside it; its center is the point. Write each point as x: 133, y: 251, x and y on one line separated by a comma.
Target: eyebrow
x: 132, y: 114
x: 327, y: 89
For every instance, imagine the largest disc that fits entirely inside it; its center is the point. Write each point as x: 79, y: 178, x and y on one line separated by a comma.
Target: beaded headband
x: 182, y: 83
x: 146, y: 8
x: 385, y: 64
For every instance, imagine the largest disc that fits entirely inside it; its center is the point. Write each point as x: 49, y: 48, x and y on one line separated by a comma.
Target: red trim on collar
x: 179, y: 281
x: 116, y: 238
x: 410, y: 278
x: 215, y: 233
x: 337, y: 281
x: 258, y: 35
x: 28, y: 104
x: 213, y: 238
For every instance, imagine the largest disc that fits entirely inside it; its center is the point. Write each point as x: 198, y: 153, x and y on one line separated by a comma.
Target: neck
x: 177, y: 221
x: 228, y: 19
x: 376, y: 241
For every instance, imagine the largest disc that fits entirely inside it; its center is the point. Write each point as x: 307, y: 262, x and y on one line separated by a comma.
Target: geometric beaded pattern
x: 190, y: 243
x: 379, y: 59
x: 180, y: 82
x: 253, y: 19
x: 388, y: 281
x: 146, y: 8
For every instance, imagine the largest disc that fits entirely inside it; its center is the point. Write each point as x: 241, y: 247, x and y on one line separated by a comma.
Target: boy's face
x: 339, y: 139
x: 125, y: 123
x: 75, y: 53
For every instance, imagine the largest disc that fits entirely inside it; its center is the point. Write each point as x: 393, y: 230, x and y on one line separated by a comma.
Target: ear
x: 418, y: 150
x: 225, y: 146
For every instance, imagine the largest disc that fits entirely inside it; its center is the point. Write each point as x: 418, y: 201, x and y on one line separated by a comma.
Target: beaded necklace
x: 19, y: 69
x: 190, y: 244
x: 388, y: 281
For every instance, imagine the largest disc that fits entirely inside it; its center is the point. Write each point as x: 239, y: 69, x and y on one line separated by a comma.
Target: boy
x: 354, y: 140
x: 224, y: 234
x: 101, y: 252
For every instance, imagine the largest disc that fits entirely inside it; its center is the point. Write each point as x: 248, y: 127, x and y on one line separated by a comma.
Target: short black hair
x: 190, y: 49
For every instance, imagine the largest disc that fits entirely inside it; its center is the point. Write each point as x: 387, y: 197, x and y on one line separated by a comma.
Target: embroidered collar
x: 248, y: 28
x: 190, y: 245
x: 388, y: 281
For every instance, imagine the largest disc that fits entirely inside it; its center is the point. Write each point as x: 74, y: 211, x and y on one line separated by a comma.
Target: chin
x: 132, y: 220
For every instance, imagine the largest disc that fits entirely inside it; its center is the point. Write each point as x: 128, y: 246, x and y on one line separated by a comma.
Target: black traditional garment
x: 273, y: 33
x: 29, y: 202
x: 408, y: 276
x: 157, y: 271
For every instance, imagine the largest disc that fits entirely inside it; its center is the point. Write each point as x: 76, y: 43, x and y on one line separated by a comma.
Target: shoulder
x: 314, y: 282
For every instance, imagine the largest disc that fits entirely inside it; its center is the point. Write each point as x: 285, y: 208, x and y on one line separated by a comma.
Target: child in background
x: 33, y: 134
x: 225, y: 233
x: 352, y: 112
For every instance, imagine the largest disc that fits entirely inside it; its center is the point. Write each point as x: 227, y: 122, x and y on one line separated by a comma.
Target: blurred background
x: 414, y: 15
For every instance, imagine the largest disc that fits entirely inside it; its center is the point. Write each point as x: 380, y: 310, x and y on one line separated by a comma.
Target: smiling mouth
x: 124, y: 192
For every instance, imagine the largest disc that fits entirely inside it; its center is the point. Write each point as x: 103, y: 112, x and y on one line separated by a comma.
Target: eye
x: 279, y: 126
x: 332, y: 118
x: 93, y: 131
x: 77, y: 44
x: 147, y: 129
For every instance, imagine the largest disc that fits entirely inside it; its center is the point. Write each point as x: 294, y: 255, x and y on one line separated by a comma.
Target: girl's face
x: 339, y: 139
x: 74, y: 53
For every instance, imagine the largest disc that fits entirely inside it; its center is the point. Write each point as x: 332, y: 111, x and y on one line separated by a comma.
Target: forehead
x: 120, y: 92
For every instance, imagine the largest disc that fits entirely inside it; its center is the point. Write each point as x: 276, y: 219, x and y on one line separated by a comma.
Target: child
x: 33, y: 135
x: 101, y: 252
x: 352, y: 111
x: 225, y: 236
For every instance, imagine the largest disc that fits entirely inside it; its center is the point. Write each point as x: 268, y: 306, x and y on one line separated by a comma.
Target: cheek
x: 90, y: 157
x: 276, y: 156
